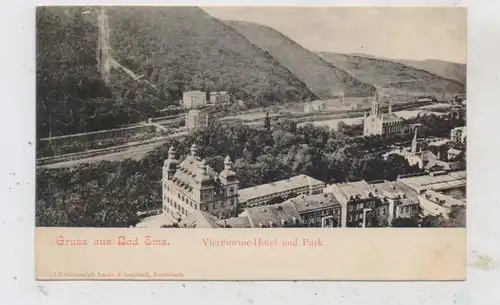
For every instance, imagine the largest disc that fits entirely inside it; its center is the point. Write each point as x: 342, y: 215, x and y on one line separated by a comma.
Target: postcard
x: 320, y: 142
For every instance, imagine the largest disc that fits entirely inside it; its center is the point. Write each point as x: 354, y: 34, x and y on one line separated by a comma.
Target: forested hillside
x: 321, y: 77
x: 176, y: 48
x: 184, y: 48
x: 450, y: 70
x: 393, y: 75
x: 71, y: 95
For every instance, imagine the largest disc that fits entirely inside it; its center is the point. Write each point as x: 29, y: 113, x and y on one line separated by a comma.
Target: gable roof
x: 390, y: 117
x: 454, y: 151
x: 277, y: 187
x: 314, y: 202
x: 199, y: 219
x: 235, y: 222
x: 275, y: 215
x: 188, y: 170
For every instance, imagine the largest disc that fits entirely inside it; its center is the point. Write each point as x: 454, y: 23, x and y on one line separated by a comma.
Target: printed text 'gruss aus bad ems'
x: 120, y: 241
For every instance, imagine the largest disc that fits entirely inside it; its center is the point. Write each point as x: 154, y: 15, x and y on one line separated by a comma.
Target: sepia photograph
x: 251, y: 117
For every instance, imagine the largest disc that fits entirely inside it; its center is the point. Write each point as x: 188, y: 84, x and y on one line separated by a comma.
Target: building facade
x: 458, y: 135
x: 400, y: 201
x: 196, y: 119
x: 261, y: 194
x: 194, y: 99
x: 191, y: 185
x: 219, y: 97
x: 314, y: 106
x: 319, y: 210
x: 378, y: 123
x: 359, y: 204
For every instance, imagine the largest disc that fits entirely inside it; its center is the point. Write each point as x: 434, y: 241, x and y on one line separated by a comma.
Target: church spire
x: 414, y: 143
x: 375, y: 103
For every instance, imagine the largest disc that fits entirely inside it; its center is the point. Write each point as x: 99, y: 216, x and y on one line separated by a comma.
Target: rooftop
x: 394, y: 189
x: 156, y: 221
x: 314, y: 202
x: 277, y: 187
x: 199, y: 219
x: 442, y: 200
x: 275, y: 215
x: 356, y: 189
x: 390, y: 117
x: 439, y: 142
x: 218, y: 92
x: 235, y: 222
x: 188, y: 172
x: 454, y: 151
x: 430, y: 160
x: 436, y: 182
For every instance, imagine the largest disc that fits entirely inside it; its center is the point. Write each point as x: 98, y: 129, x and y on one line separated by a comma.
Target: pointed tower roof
x: 202, y: 175
x: 171, y: 157
x: 228, y: 174
x: 194, y: 150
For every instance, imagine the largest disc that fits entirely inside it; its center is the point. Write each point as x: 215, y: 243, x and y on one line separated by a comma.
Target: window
x: 356, y: 217
x: 179, y: 195
x: 231, y: 190
x: 360, y: 216
x: 350, y: 217
x: 383, y: 211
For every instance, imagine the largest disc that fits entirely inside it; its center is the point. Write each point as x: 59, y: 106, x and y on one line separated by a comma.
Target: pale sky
x: 391, y: 32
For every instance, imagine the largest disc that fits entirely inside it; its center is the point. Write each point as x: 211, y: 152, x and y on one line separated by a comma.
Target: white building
x: 378, y: 123
x: 196, y: 119
x: 192, y: 185
x: 314, y: 106
x: 261, y: 194
x: 458, y: 134
x: 219, y: 97
x: 194, y: 99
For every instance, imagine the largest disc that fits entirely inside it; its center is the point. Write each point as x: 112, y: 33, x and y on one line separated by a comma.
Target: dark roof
x: 189, y: 172
x: 275, y: 215
x: 306, y: 203
x: 390, y: 117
